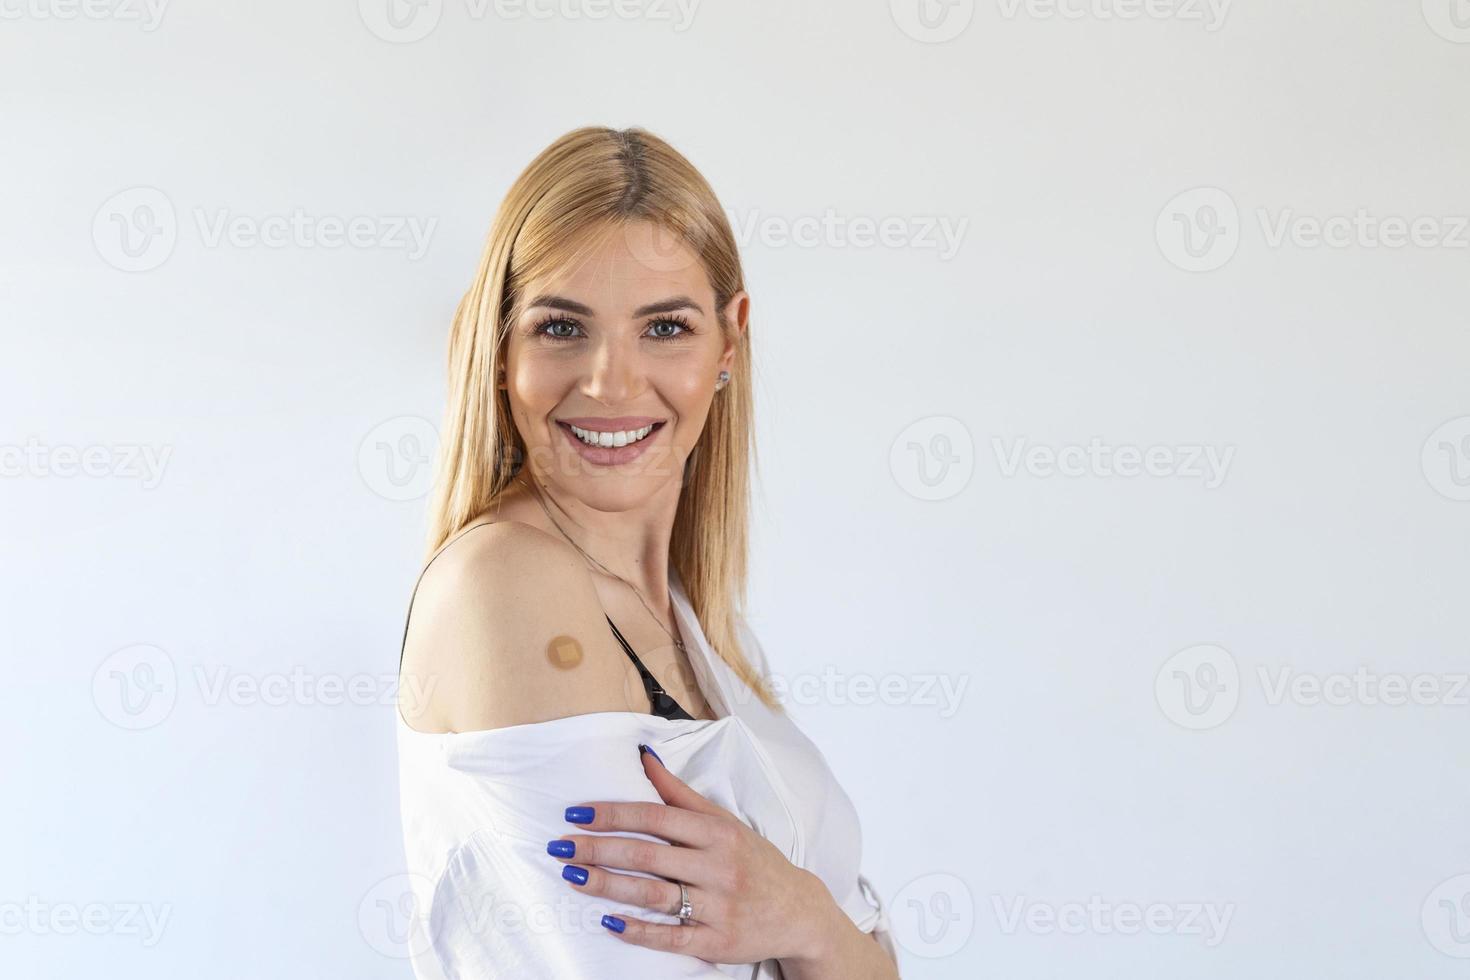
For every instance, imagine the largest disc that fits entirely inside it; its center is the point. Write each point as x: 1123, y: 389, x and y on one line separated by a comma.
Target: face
x: 623, y: 351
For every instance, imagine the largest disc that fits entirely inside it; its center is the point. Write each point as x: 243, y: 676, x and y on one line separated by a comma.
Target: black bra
x: 662, y: 703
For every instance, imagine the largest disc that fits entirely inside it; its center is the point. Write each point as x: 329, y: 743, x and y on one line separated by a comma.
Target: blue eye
x: 670, y: 321
x: 544, y: 328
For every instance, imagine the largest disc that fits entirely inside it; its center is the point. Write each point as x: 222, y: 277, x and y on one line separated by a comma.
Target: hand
x: 750, y: 903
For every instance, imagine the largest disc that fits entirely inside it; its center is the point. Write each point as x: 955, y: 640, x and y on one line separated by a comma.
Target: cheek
x: 537, y: 387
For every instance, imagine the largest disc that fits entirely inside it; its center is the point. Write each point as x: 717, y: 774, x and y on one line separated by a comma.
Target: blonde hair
x: 592, y: 178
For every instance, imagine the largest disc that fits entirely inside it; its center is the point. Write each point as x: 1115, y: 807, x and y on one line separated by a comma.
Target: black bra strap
x: 662, y: 703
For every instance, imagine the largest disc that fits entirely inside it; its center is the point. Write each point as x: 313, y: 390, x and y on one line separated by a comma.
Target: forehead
x: 618, y: 267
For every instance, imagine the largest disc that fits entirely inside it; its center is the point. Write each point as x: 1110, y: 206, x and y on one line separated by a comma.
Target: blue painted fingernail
x: 561, y: 848
x: 579, y: 814
x: 574, y: 874
x: 614, y: 923
x: 649, y: 750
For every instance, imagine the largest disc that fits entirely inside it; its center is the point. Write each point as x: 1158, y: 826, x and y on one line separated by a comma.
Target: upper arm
x: 506, y: 629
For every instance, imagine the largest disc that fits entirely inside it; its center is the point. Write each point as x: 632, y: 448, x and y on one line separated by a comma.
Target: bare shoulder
x: 505, y: 629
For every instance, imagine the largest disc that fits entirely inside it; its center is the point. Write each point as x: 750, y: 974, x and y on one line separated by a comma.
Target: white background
x: 1084, y: 299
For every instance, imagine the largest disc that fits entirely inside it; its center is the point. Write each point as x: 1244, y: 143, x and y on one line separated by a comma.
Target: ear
x: 737, y: 317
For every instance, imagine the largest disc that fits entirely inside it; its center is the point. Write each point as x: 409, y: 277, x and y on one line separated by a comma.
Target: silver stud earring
x: 724, y: 379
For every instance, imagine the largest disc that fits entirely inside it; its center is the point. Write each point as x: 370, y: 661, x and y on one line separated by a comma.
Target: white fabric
x: 479, y: 807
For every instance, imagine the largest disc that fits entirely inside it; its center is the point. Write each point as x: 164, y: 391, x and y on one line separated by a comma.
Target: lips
x: 611, y: 455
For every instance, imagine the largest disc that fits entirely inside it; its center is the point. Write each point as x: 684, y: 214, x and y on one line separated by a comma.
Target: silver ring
x: 686, y: 911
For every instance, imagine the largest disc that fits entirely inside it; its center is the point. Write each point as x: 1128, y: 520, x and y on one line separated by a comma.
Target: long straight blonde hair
x: 591, y: 178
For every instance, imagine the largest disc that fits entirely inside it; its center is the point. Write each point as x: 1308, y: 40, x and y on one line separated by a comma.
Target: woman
x: 597, y: 781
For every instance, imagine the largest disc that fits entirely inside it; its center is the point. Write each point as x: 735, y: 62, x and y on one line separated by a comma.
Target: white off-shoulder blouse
x: 479, y: 807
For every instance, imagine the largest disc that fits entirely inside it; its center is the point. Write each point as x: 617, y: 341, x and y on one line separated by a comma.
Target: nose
x: 615, y: 375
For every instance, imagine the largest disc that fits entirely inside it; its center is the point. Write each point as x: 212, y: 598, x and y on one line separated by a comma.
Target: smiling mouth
x: 611, y: 440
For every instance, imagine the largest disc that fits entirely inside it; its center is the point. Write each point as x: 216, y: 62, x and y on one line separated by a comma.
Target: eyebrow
x: 581, y: 309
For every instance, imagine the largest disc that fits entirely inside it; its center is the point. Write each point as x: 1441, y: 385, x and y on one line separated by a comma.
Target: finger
x: 673, y: 790
x: 694, y: 940
x: 671, y: 823
x: 654, y: 894
x: 632, y: 854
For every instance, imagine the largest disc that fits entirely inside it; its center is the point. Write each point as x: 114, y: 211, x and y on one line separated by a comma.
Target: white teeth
x: 610, y: 439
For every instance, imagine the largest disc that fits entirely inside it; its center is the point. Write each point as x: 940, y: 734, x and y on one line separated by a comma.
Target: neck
x: 632, y: 544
